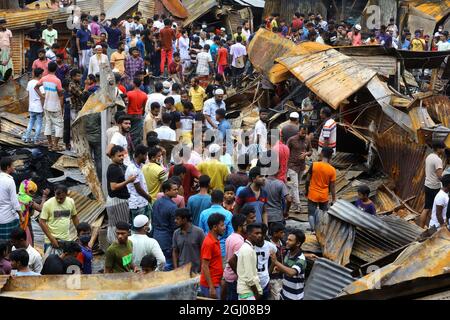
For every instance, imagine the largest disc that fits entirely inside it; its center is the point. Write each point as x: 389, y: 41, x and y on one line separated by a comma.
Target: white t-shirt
x: 136, y: 200
x: 155, y: 97
x: 176, y: 98
x: 443, y: 46
x: 441, y: 199
x: 432, y: 163
x: 210, y: 107
x: 261, y: 130
x: 158, y: 24
x: 51, y: 55
x: 35, y: 259
x: 34, y: 101
x: 183, y: 46
x: 166, y: 133
x: 144, y: 245
x: 263, y: 257
x: 237, y: 50
x: 119, y: 139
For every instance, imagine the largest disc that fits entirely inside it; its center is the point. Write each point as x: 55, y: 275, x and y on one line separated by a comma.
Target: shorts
x: 221, y: 69
x: 54, y: 120
x: 430, y: 194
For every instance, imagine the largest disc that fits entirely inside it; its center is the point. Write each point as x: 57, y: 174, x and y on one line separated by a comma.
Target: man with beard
x: 163, y: 220
x: 211, y: 106
x: 41, y: 62
x: 122, y: 138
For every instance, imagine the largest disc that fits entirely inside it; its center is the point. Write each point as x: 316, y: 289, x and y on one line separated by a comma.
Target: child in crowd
x: 85, y: 256
x: 34, y: 107
x: 19, y: 263
x: 364, y: 203
x: 5, y: 264
x: 229, y: 197
x: 148, y: 264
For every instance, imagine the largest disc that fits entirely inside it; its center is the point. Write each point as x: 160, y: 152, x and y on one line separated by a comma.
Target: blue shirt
x: 217, y: 208
x: 213, y: 51
x: 405, y: 45
x: 113, y: 37
x: 196, y: 204
x: 84, y: 36
x: 87, y: 260
x: 141, y: 47
x: 246, y: 195
x: 163, y: 222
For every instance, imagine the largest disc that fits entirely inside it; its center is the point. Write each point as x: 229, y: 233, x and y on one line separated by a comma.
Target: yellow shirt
x: 58, y: 217
x: 197, y: 97
x: 216, y: 170
x: 154, y: 176
x: 179, y: 106
x: 274, y: 23
x: 244, y: 38
x: 119, y: 61
x: 417, y: 44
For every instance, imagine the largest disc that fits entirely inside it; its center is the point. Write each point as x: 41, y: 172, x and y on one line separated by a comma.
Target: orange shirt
x: 322, y: 175
x: 223, y: 56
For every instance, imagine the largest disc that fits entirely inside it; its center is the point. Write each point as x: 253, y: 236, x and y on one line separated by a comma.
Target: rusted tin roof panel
x: 439, y: 109
x: 176, y: 8
x: 119, y: 8
x: 419, y: 260
x: 329, y: 74
x: 326, y: 280
x: 197, y: 8
x: 436, y: 9
x: 25, y: 18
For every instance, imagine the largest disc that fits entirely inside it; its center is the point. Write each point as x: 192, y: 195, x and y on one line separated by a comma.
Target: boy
x: 119, y: 255
x: 152, y: 119
x: 364, y: 203
x: 49, y: 35
x: 222, y: 60
x: 169, y: 103
x: 5, y: 264
x: 229, y: 197
x: 85, y: 256
x: 19, y: 261
x: 34, y: 107
x: 63, y: 69
x: 148, y: 264
x: 277, y: 232
x: 176, y: 68
x: 439, y: 213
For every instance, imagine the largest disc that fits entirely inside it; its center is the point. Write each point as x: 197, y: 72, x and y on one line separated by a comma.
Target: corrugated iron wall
x: 287, y: 8
x: 18, y: 54
x: 147, y: 7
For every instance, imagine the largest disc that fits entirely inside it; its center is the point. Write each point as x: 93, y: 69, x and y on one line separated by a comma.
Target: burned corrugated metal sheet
x: 435, y: 9
x: 251, y: 3
x: 267, y: 46
x: 329, y: 74
x: 25, y: 18
x: 439, y: 109
x: 383, y: 65
x: 335, y: 237
x: 119, y: 8
x: 88, y: 210
x: 147, y: 7
x: 176, y: 8
x: 326, y: 280
x: 428, y: 259
x: 197, y: 8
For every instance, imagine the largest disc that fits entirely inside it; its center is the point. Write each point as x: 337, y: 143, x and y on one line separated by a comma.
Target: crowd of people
x: 215, y: 203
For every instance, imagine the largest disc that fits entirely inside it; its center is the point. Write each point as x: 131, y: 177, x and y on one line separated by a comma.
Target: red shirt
x: 223, y: 56
x: 43, y: 64
x: 136, y: 102
x: 211, y: 251
x: 283, y: 158
x: 166, y: 35
x: 122, y: 88
x: 297, y: 23
x: 188, y: 181
x: 174, y: 68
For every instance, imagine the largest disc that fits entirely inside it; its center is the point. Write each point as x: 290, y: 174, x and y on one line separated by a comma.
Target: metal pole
x: 105, y: 161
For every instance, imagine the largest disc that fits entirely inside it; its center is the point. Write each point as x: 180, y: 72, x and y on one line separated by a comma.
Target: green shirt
x: 119, y: 257
x: 58, y: 217
x: 50, y: 37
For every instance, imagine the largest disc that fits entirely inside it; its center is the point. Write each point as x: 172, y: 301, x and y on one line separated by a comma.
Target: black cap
x: 2, y: 20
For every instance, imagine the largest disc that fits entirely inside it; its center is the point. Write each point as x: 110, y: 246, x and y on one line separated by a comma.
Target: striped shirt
x: 328, y: 132
x: 293, y: 286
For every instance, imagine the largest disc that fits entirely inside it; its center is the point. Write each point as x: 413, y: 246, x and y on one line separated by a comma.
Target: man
x: 114, y: 35
x: 137, y: 100
x: 151, y: 120
x: 213, y: 168
x: 278, y: 199
x: 153, y: 172
x: 439, y: 215
x: 355, y: 36
x: 117, y: 207
x: 329, y: 130
x: 139, y: 198
x: 282, y: 153
x: 35, y: 39
x: 277, y: 236
x: 83, y: 44
x: 19, y: 262
x: 19, y: 241
x: 293, y: 267
x: 225, y: 130
x: 64, y: 263
x: 163, y: 222
x: 133, y: 64
x: 232, y: 245
x: 34, y: 108
x: 291, y: 127
x: 216, y: 207
x: 94, y: 26
x: 9, y: 204
x: 63, y: 69
x: 167, y: 36
x: 119, y: 255
x: 246, y: 32
x: 238, y: 52
x: 204, y: 63
x: 255, y: 195
x: 52, y: 106
x: 264, y: 249
x: 392, y: 27
x: 156, y: 96
x: 41, y: 62
x: 97, y: 60
x: 211, y: 106
x: 144, y: 245
x: 189, y: 174
x: 49, y: 35
x: 55, y: 218
x: 443, y: 44
x: 187, y: 241
x: 248, y: 284
x: 297, y: 21
x: 122, y: 138
x: 165, y: 132
x: 418, y: 43
x: 260, y: 132
x: 200, y: 201
x: 211, y: 258
x: 240, y: 177
x: 197, y: 94
x: 300, y: 148
x: 433, y: 174
x: 320, y: 181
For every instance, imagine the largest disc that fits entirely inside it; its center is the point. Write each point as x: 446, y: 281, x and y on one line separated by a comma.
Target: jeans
x: 205, y: 291
x: 312, y: 212
x: 169, y: 262
x: 232, y: 291
x: 266, y: 292
x: 35, y: 118
x: 166, y: 54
